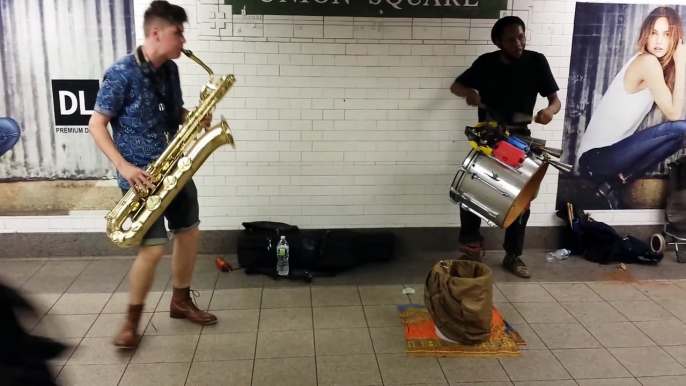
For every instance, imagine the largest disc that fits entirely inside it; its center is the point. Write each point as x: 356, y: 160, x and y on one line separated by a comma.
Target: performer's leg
x: 514, y: 246
x: 470, y: 235
x: 140, y: 280
x: 184, y: 218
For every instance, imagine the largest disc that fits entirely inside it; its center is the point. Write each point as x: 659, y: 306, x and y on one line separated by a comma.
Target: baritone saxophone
x: 175, y: 167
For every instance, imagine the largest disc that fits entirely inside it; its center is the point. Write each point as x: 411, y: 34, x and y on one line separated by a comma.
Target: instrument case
x: 312, y: 251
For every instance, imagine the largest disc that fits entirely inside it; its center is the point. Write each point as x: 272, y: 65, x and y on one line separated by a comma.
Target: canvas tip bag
x: 458, y: 295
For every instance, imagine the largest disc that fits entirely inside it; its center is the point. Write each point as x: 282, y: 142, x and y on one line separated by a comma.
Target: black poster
x: 74, y: 100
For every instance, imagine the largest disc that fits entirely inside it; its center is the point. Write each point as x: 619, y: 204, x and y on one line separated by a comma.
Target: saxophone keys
x: 136, y: 226
x: 170, y: 182
x: 184, y: 164
x: 153, y: 202
x: 117, y: 237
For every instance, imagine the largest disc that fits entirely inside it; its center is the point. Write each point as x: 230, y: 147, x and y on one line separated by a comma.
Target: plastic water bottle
x: 282, y: 250
x: 560, y: 254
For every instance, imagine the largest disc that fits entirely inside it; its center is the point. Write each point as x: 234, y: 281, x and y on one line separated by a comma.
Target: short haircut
x: 500, y: 25
x: 163, y: 10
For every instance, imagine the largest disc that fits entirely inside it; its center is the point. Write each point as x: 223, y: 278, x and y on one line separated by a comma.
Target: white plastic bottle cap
x: 283, y: 237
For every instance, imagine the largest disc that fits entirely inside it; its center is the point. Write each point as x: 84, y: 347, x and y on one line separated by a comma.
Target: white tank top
x: 617, y: 116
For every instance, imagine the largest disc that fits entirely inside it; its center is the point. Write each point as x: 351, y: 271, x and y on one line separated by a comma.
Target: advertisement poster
x: 53, y: 54
x: 625, y: 108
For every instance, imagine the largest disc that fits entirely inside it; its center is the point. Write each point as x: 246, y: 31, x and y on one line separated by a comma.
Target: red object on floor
x: 508, y: 154
x: 222, y: 265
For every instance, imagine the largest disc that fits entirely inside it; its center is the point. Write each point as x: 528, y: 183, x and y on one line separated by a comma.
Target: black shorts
x: 182, y: 214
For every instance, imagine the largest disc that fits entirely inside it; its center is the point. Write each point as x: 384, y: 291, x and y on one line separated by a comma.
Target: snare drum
x: 495, y: 191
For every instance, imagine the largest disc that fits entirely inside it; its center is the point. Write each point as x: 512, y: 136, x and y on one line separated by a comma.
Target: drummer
x: 506, y: 81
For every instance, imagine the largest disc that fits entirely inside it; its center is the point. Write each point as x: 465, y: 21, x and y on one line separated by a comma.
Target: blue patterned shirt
x: 130, y: 99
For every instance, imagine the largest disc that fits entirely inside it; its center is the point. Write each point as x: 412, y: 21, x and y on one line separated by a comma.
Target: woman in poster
x: 611, y: 152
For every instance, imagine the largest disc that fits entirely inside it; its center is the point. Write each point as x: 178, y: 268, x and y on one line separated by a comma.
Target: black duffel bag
x: 311, y: 252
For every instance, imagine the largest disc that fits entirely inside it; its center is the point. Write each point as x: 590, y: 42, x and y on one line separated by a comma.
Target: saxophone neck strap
x: 159, y: 79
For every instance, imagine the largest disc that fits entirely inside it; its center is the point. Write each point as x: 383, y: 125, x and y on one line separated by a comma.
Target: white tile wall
x: 345, y: 122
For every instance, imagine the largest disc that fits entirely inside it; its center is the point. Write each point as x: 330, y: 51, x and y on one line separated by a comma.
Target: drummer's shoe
x: 473, y: 251
x: 516, y: 266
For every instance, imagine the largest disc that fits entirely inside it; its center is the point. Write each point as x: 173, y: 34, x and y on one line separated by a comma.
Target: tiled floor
x: 584, y: 324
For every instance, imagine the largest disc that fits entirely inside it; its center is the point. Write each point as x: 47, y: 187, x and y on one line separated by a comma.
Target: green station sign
x: 467, y: 9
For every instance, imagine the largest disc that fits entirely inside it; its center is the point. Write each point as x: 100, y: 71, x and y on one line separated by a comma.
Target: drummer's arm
x: 548, y: 87
x: 460, y: 90
x: 468, y: 82
x: 554, y: 104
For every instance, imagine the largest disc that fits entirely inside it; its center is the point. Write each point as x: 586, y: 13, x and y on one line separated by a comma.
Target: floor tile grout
x: 257, y: 337
x: 596, y: 339
x: 365, y: 313
x: 366, y: 320
x: 314, y: 337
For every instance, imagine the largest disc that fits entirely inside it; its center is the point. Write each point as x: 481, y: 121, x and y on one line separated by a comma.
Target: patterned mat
x: 421, y: 338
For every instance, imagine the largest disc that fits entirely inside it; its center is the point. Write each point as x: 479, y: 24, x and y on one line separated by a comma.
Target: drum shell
x: 496, y: 192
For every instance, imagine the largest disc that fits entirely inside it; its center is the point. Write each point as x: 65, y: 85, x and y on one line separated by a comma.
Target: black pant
x: 514, y: 234
x: 634, y: 155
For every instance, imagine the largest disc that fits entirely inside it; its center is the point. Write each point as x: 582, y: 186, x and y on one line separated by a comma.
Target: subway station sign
x: 468, y: 9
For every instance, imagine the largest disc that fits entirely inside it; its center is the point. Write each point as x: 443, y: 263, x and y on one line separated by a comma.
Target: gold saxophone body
x: 175, y: 167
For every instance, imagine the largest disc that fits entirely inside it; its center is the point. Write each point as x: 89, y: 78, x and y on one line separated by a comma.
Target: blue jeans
x: 634, y: 155
x: 9, y: 134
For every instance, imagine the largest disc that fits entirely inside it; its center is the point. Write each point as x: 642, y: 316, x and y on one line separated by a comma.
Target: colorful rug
x: 421, y: 338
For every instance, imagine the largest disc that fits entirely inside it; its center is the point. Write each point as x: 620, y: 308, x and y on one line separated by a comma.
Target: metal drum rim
x: 460, y: 175
x: 473, y: 154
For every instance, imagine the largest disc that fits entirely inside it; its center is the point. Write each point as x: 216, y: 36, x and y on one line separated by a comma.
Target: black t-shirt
x: 510, y: 88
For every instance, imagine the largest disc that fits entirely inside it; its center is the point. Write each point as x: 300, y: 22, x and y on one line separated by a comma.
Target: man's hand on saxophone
x: 137, y: 177
x: 207, y: 121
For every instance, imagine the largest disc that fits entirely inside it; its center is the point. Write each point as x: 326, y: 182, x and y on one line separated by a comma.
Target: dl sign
x: 74, y: 100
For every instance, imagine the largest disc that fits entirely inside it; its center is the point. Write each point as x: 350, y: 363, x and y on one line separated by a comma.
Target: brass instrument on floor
x: 175, y: 167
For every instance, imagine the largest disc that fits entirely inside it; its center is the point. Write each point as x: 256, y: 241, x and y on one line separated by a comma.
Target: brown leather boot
x: 128, y: 336
x: 183, y: 307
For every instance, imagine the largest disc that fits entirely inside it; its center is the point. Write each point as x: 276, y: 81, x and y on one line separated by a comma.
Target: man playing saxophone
x: 141, y: 99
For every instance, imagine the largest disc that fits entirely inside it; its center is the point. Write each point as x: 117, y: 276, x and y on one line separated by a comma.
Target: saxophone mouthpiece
x: 194, y: 58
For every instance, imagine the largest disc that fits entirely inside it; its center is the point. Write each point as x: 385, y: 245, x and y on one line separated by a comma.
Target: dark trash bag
x: 458, y: 295
x: 600, y: 243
